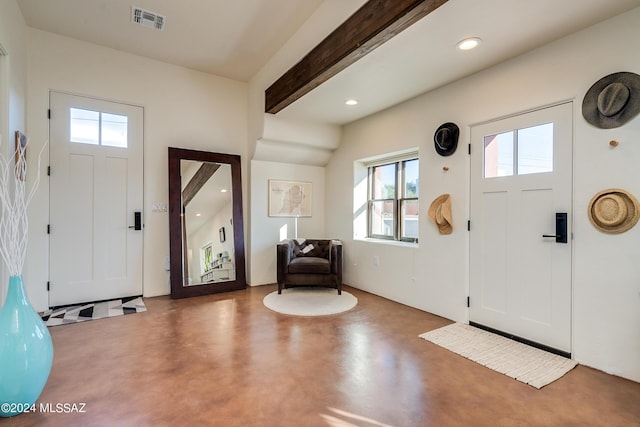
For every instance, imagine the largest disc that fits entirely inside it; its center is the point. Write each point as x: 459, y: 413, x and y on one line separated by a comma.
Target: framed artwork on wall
x: 21, y: 144
x: 206, y: 258
x: 290, y: 198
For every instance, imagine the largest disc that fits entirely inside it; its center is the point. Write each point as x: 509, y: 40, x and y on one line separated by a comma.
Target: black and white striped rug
x: 93, y: 311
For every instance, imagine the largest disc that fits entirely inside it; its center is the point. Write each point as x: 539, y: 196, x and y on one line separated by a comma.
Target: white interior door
x: 521, y: 176
x: 96, y: 188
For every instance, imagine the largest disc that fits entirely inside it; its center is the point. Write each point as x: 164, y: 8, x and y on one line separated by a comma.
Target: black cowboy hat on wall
x: 446, y: 139
x: 613, y: 100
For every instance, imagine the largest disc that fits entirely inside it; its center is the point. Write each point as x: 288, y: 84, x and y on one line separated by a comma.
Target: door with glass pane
x: 95, y: 200
x: 521, y: 184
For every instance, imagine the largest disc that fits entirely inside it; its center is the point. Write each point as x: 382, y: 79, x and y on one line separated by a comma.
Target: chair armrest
x: 284, y: 254
x: 336, y: 257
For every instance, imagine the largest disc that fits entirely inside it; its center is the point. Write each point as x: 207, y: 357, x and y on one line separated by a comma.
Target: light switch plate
x: 159, y: 207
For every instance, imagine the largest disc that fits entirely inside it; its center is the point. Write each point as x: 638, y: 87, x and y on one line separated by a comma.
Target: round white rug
x: 310, y: 301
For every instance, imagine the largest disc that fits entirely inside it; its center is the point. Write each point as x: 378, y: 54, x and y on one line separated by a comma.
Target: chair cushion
x: 308, y: 264
x: 311, y: 247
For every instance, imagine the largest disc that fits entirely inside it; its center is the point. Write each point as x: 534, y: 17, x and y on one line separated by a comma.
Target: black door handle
x: 561, y: 228
x: 137, y: 221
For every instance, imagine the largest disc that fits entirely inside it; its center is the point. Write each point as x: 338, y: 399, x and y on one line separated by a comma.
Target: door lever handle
x: 561, y: 228
x: 137, y: 220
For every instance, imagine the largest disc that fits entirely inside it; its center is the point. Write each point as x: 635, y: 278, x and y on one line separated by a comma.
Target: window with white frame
x: 519, y: 151
x: 393, y: 200
x: 98, y: 128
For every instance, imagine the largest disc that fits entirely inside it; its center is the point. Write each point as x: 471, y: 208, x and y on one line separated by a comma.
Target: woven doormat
x: 519, y: 361
x: 93, y: 311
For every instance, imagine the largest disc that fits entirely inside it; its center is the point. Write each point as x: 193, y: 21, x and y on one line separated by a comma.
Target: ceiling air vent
x: 146, y: 18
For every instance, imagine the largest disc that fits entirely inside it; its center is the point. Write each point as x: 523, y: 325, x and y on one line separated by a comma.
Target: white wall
x: 13, y: 32
x: 329, y: 15
x: 182, y: 108
x: 265, y: 230
x: 281, y: 148
x: 296, y: 141
x: 606, y: 280
x: 13, y: 84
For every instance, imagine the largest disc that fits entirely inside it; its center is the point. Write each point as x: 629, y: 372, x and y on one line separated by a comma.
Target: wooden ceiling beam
x: 199, y: 179
x: 369, y: 27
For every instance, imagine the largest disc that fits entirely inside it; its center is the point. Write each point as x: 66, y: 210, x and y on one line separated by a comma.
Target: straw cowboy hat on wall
x: 614, y: 211
x: 440, y: 213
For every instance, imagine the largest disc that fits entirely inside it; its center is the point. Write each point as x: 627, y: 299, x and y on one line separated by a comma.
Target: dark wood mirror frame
x: 178, y: 290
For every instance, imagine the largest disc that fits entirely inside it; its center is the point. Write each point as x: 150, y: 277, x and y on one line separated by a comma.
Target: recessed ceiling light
x: 224, y: 190
x: 351, y: 102
x: 469, y: 43
x: 198, y: 214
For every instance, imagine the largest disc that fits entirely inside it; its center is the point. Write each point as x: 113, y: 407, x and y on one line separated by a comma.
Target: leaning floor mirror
x: 206, y: 237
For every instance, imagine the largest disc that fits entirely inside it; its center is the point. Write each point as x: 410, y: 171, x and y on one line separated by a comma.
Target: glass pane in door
x: 535, y: 149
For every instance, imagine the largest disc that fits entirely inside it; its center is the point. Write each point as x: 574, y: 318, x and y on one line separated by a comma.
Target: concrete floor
x: 226, y: 360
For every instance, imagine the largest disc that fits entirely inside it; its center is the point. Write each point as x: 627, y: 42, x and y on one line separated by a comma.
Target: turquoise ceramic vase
x: 26, y: 352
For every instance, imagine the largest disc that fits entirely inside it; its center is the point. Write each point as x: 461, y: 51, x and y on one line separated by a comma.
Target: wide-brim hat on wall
x: 613, y: 100
x: 614, y: 211
x: 440, y: 213
x: 446, y: 139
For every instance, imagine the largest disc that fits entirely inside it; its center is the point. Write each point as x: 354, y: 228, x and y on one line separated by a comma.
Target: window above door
x: 519, y: 152
x: 98, y: 128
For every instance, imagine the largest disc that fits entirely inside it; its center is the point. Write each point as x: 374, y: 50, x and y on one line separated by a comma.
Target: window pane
x: 410, y: 219
x: 535, y: 149
x: 83, y: 126
x: 411, y: 178
x: 384, y: 181
x: 382, y: 218
x: 498, y: 155
x: 114, y: 130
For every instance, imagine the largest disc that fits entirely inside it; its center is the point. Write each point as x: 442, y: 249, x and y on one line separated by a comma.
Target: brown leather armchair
x: 309, y: 262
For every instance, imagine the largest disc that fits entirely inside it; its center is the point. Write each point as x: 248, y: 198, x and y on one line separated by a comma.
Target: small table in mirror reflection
x: 224, y: 271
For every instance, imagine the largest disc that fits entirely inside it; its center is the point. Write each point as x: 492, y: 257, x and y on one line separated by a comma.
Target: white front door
x: 95, y: 191
x: 521, y: 177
